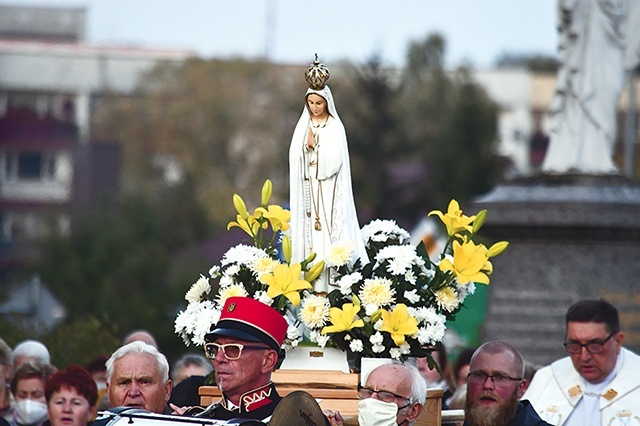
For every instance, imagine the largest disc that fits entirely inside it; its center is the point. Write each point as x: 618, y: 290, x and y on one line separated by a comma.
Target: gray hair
x: 188, y: 360
x: 142, y: 348
x: 5, y: 353
x: 418, y: 385
x: 31, y: 349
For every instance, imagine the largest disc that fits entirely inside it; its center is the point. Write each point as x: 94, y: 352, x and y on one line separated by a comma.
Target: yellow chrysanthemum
x: 232, y: 290
x: 399, y: 323
x: 265, y: 265
x: 447, y: 299
x: 470, y: 263
x: 339, y: 254
x: 454, y: 219
x: 377, y: 292
x: 314, y: 311
x: 286, y: 280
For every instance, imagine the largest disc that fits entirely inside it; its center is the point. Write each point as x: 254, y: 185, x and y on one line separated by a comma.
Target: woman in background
x: 71, y: 395
x: 28, y: 389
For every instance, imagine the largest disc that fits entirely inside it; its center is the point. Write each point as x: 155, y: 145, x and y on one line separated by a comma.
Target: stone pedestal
x: 572, y: 237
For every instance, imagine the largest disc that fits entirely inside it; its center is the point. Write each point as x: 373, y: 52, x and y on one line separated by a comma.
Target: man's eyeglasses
x: 594, y: 347
x: 384, y: 396
x: 496, y: 379
x: 231, y: 351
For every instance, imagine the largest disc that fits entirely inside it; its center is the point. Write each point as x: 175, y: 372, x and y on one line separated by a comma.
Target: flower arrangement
x: 396, y: 305
x: 256, y: 271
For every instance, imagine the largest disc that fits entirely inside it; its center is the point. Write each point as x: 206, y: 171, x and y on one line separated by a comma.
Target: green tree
x: 227, y: 123
x: 450, y: 128
x: 372, y: 131
x: 115, y: 265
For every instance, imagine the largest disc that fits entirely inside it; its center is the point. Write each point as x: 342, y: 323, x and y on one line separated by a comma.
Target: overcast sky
x: 291, y: 31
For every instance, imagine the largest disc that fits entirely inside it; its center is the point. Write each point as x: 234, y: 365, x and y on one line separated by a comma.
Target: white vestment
x: 557, y: 390
x: 323, y: 211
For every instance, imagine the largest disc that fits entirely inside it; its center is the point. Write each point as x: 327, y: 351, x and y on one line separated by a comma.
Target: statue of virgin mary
x: 323, y: 212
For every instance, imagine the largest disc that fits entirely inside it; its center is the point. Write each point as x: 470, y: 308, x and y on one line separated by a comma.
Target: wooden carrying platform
x: 335, y: 391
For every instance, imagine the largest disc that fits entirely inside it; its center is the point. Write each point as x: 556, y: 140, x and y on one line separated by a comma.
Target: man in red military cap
x: 244, y: 347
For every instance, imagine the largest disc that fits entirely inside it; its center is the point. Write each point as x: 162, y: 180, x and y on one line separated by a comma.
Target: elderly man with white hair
x: 138, y: 377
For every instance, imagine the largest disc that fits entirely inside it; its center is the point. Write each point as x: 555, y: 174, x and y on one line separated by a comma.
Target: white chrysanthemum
x: 427, y: 315
x: 405, y: 348
x: 231, y: 291
x: 431, y: 334
x: 214, y: 272
x: 410, y: 277
x: 400, y: 258
x: 264, y: 265
x: 187, y: 320
x: 376, y: 338
x: 378, y: 324
x: 262, y: 296
x: 447, y: 299
x: 382, y: 230
x: 339, y: 254
x: 225, y: 281
x: 395, y: 353
x: 232, y: 271
x: 293, y: 333
x: 322, y: 340
x: 206, y: 317
x: 356, y: 345
x: 377, y: 348
x: 242, y: 255
x: 314, y: 311
x: 198, y: 289
x: 465, y: 290
x: 412, y: 296
x: 348, y: 281
x: 376, y: 293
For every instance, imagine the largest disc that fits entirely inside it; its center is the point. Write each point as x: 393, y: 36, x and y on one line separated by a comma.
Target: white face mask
x: 29, y: 412
x: 373, y: 412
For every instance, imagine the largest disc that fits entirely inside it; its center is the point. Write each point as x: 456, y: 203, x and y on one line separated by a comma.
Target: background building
x: 50, y: 82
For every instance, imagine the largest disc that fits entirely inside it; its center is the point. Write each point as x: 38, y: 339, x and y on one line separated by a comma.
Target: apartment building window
x: 29, y: 166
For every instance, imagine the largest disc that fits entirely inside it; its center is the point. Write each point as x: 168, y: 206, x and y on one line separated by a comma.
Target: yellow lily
x: 399, y: 323
x: 267, y: 189
x: 286, y: 248
x: 497, y: 248
x: 277, y: 216
x: 343, y: 319
x: 470, y: 263
x: 454, y: 219
x: 249, y: 225
x: 286, y: 280
x: 240, y: 206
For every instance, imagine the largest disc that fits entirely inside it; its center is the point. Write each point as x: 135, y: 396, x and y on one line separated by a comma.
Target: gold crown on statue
x: 317, y: 75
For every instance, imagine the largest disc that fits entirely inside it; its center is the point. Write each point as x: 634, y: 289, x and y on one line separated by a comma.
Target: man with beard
x: 494, y: 386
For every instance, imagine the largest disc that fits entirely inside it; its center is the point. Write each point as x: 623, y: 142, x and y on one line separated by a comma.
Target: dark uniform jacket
x: 257, y: 404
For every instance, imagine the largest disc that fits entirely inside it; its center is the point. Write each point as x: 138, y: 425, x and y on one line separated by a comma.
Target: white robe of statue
x: 592, y: 42
x: 323, y: 211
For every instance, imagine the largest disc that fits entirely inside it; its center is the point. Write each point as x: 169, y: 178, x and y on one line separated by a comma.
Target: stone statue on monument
x: 323, y: 212
x: 595, y: 51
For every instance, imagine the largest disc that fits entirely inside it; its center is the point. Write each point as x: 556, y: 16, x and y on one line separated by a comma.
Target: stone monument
x: 575, y: 230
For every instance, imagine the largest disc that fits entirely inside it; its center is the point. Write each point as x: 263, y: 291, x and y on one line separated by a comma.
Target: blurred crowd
x: 33, y: 392
x: 36, y: 393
